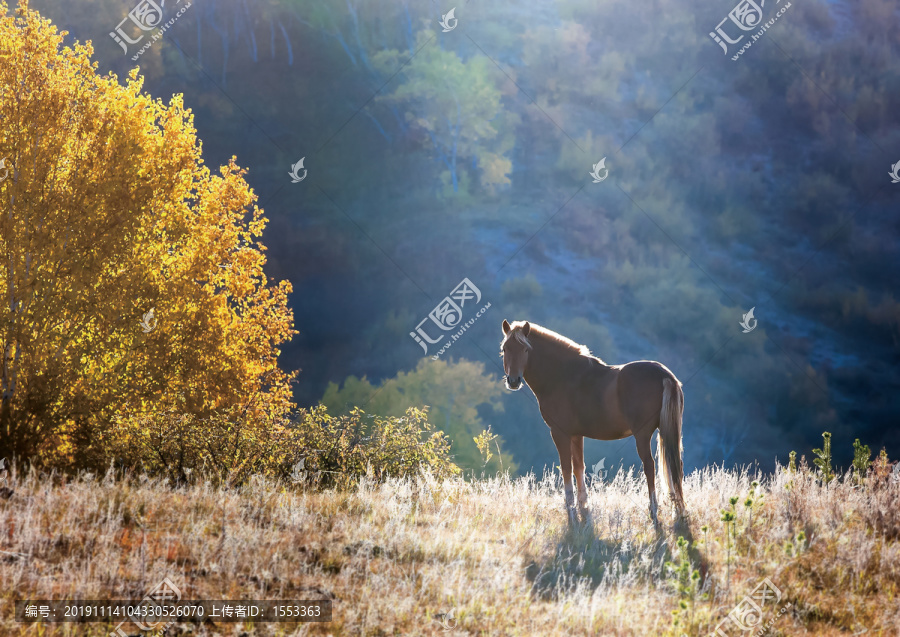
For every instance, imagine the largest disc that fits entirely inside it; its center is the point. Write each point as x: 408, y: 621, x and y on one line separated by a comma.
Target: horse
x: 579, y: 395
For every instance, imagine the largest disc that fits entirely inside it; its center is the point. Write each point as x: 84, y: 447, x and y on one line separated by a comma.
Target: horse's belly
x: 602, y: 419
x: 602, y: 431
x: 592, y: 412
x: 608, y: 426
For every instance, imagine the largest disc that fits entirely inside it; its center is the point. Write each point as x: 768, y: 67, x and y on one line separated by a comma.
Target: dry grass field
x: 495, y: 556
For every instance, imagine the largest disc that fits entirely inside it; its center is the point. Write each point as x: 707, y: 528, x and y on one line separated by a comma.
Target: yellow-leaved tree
x: 132, y: 292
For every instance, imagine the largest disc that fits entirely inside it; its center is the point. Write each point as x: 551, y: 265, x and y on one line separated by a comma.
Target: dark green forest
x: 433, y: 156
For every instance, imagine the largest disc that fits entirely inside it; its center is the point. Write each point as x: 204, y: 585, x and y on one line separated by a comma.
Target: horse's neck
x: 547, y: 365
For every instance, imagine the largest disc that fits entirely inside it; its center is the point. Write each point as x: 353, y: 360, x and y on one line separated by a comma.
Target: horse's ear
x: 526, y: 328
x: 506, y: 327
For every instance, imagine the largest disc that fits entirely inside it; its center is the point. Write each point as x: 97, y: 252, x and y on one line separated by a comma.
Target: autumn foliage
x: 108, y: 212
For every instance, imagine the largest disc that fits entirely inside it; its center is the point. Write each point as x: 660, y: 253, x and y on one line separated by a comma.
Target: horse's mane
x: 548, y: 336
x: 555, y: 338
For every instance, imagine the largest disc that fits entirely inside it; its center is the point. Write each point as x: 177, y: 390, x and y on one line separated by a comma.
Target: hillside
x: 399, y: 556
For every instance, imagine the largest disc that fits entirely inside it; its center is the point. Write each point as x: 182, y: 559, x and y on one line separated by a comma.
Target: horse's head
x: 514, y: 349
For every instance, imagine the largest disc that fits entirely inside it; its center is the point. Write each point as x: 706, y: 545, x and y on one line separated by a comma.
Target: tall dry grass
x: 499, y: 554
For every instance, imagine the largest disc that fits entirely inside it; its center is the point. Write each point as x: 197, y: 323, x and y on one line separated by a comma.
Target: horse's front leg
x: 578, y: 467
x: 563, y: 442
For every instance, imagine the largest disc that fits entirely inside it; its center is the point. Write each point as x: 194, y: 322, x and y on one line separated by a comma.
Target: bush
x: 314, y: 448
x: 459, y: 393
x: 336, y: 451
x: 226, y: 447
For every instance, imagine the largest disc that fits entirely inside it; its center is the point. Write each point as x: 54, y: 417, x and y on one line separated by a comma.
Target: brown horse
x: 579, y: 395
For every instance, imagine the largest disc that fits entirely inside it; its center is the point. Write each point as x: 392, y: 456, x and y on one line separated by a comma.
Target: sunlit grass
x: 499, y: 553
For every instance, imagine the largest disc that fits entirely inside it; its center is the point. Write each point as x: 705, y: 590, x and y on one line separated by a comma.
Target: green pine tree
x: 861, y: 455
x: 823, y: 458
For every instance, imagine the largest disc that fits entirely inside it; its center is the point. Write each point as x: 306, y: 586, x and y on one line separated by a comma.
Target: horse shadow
x: 580, y: 557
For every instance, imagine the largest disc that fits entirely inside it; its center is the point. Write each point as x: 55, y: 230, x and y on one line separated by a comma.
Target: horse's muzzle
x: 513, y: 383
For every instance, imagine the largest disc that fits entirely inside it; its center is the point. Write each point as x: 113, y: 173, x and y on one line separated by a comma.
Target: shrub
x: 685, y: 579
x: 338, y: 450
x: 861, y: 455
x: 313, y: 448
x: 483, y: 442
x: 823, y: 458
x: 226, y: 447
x: 883, y: 472
x: 459, y: 393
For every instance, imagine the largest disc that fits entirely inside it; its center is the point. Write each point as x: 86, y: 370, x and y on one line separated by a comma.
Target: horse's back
x: 645, y: 371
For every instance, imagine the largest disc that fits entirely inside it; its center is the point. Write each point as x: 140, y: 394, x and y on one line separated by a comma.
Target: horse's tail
x: 668, y: 445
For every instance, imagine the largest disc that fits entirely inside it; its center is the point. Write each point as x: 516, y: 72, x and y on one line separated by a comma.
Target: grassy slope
x: 499, y: 552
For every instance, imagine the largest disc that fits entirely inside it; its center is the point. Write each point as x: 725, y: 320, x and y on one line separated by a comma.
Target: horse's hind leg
x: 578, y: 467
x: 643, y: 448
